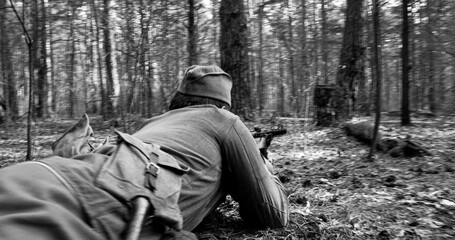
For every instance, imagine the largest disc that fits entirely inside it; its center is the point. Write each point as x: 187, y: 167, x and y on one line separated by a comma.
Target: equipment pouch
x: 138, y: 169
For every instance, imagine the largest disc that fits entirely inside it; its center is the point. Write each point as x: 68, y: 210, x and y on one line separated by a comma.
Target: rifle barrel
x: 275, y: 132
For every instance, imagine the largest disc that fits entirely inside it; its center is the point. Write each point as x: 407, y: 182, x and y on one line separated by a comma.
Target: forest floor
x: 334, y: 192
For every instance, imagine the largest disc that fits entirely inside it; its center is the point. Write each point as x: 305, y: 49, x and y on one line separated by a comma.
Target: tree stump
x: 323, y: 95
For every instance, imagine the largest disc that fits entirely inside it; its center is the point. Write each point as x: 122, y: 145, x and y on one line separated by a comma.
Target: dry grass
x: 333, y: 192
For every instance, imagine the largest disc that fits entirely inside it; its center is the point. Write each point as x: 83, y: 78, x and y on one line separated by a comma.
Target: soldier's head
x: 203, y: 85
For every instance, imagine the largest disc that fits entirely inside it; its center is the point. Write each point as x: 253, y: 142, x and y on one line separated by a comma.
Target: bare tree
x: 192, y: 35
x: 10, y: 103
x: 71, y: 51
x: 405, y: 115
x: 31, y: 46
x: 324, y: 45
x: 378, y: 70
x: 302, y: 66
x: 260, y: 87
x: 351, y: 67
x: 234, y: 55
x: 100, y: 58
x: 108, y: 60
x: 41, y: 59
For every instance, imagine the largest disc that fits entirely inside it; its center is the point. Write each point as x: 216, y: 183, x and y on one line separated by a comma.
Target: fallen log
x: 395, y: 147
x: 362, y: 130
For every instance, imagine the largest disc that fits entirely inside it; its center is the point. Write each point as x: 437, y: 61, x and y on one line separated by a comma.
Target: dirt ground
x: 334, y: 192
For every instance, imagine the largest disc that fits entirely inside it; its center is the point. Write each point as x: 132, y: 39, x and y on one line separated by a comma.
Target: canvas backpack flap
x: 74, y: 141
x: 138, y: 169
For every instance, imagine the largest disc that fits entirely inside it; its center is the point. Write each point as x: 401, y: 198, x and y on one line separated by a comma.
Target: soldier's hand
x: 263, y: 144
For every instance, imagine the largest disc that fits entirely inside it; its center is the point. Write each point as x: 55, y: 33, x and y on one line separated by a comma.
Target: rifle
x: 274, y: 132
x: 268, y: 135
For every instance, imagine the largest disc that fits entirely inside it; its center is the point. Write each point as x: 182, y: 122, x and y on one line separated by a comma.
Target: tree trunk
x: 53, y: 84
x: 398, y: 91
x: 433, y: 88
x: 143, y: 59
x: 234, y: 54
x: 40, y: 61
x: 71, y: 64
x: 350, y: 70
x: 100, y: 59
x: 303, y: 73
x: 453, y: 65
x: 387, y: 86
x: 261, y: 81
x: 414, y: 94
x: 164, y: 72
x: 281, y: 83
x: 110, y: 112
x: 36, y: 53
x: 324, y: 45
x: 431, y: 79
x: 215, y: 27
x: 405, y: 115
x: 377, y: 63
x: 441, y: 64
x: 89, y: 87
x: 9, y: 90
x: 130, y: 60
x: 32, y: 50
x: 192, y: 35
x: 93, y: 106
x: 315, y: 52
x: 367, y: 93
x: 288, y: 41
